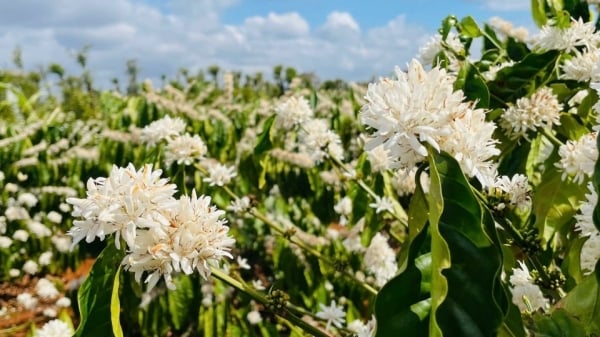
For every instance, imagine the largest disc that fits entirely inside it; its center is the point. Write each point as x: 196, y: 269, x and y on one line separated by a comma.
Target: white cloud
x: 189, y: 34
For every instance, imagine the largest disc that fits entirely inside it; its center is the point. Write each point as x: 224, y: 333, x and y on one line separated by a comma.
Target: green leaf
x: 181, y: 302
x: 440, y: 251
x: 570, y: 127
x: 469, y: 80
x: 115, y: 306
x: 538, y: 11
x: 475, y: 302
x: 555, y: 202
x: 398, y: 305
x: 522, y: 78
x: 469, y: 27
x: 583, y: 302
x: 264, y: 138
x: 558, y: 324
x: 98, y: 299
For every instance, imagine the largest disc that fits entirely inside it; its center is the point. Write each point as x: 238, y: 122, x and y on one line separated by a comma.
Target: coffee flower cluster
x: 163, y: 235
x: 421, y: 108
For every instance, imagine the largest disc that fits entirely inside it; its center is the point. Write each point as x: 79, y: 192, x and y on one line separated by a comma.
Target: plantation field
x: 456, y: 197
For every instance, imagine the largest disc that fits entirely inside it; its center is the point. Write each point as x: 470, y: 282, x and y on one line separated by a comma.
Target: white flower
x: 220, y: 175
x: 121, y: 203
x: 16, y: 213
x: 540, y: 110
x: 243, y: 263
x: 45, y: 289
x: 258, y: 285
x: 585, y: 220
x: 292, y: 111
x: 30, y: 267
x: 13, y: 272
x: 21, y: 235
x: 54, y: 328
x: 62, y: 243
x: 64, y: 207
x: 343, y: 206
x: 579, y: 34
x: 5, y: 242
x: 318, y: 140
x: 162, y: 129
x: 27, y: 199
x: 517, y: 189
x: 583, y: 67
x: 379, y: 158
x: 525, y: 293
x: 45, y: 258
x: 590, y: 253
x: 491, y: 73
x: 577, y: 158
x: 239, y: 205
x: 54, y: 216
x: 193, y: 238
x: 380, y: 260
x: 50, y: 312
x: 185, y: 149
x: 27, y: 300
x: 361, y: 329
x: 435, y: 45
x: 333, y: 314
x: 422, y: 108
x: 382, y: 204
x: 254, y: 317
x: 38, y: 229
x: 63, y: 302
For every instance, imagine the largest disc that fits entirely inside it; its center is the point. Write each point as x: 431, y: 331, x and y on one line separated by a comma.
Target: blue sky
x: 348, y: 39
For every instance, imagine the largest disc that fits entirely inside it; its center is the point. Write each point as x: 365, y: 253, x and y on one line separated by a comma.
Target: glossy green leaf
x: 98, y: 296
x: 522, y: 78
x: 264, y: 138
x: 469, y: 27
x: 470, y: 81
x: 440, y: 252
x: 538, y: 11
x: 558, y: 324
x: 475, y: 303
x: 398, y: 305
x: 555, y: 202
x: 583, y: 302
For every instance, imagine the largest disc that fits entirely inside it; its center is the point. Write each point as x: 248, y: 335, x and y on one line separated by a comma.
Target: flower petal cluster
x: 162, y: 129
x: 583, y: 67
x: 184, y: 149
x: 540, y: 110
x: 590, y: 252
x: 422, y: 108
x: 333, y: 314
x: 525, y: 293
x: 579, y: 34
x: 578, y: 157
x: 163, y: 234
x: 318, y: 140
x: 517, y: 190
x: 380, y: 260
x: 54, y: 328
x: 292, y: 111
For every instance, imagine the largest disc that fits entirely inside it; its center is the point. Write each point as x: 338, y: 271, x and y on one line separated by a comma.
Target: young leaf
x: 99, y: 309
